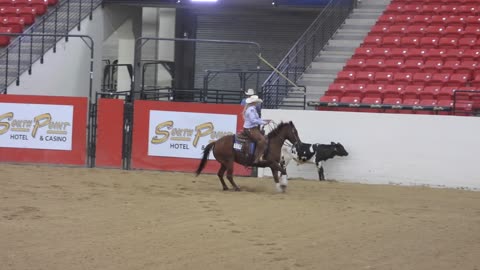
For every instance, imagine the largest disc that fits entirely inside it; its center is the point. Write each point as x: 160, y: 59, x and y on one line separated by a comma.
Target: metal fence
x: 304, y: 51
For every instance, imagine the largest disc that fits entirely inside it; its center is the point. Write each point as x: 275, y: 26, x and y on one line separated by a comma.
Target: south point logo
x: 166, y: 131
x: 19, y: 128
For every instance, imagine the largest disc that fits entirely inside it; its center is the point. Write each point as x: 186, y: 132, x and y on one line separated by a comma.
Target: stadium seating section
x: 419, y: 52
x: 16, y: 15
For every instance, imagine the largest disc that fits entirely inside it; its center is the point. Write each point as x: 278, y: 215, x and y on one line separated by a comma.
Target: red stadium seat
x: 458, y: 79
x: 336, y: 89
x: 383, y: 77
x: 446, y: 93
x: 345, y: 77
x: 372, y: 101
x: 398, y: 53
x: 412, y: 91
x: 403, y: 19
x: 467, y: 10
x: 448, y: 10
x: 402, y: 78
x: 447, y: 42
x: 394, y: 9
x: 354, y: 64
x: 390, y: 42
x: 386, y: 19
x: 472, y: 31
x: 364, y: 77
x: 467, y: 66
x: 426, y: 102
x: 453, y: 31
x: 416, y: 54
x: 466, y: 43
x: 421, y: 78
x: 412, y: 9
x: 329, y: 99
x: 351, y: 100
x: 434, y: 31
x: 471, y: 54
x: 392, y: 101
x: 7, y: 3
x: 429, y: 42
x: 380, y: 53
x: 430, y: 92
x: 451, y: 66
x: 393, y: 65
x: 16, y: 23
x: 379, y: 30
x: 374, y: 65
x: 397, y: 30
x: 439, y: 20
x: 413, y: 65
x: 409, y: 102
x: 431, y: 9
x: 456, y: 20
x: 436, y: 54
x: 408, y: 42
x: 372, y: 41
x: 454, y: 54
x: 433, y: 66
x: 354, y: 90
x: 39, y: 5
x: 363, y: 53
x: 374, y: 90
x: 422, y: 19
x: 472, y: 20
x: 332, y: 99
x: 476, y: 81
x: 416, y: 30
x: 5, y: 40
x: 393, y: 91
x: 439, y: 79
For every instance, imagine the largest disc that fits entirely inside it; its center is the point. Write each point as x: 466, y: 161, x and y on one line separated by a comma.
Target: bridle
x: 273, y: 125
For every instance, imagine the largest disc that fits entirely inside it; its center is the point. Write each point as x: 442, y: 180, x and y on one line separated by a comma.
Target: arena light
x: 205, y: 1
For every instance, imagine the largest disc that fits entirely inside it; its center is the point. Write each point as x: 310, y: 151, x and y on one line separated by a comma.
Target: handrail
x: 38, y: 29
x: 306, y: 48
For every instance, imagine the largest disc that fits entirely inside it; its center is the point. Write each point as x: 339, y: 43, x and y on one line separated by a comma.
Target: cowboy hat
x: 253, y: 99
x: 250, y: 92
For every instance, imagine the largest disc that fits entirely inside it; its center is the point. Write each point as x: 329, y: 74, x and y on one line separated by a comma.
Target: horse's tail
x: 206, y: 152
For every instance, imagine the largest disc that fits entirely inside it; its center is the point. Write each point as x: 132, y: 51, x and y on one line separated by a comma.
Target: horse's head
x: 339, y: 149
x: 286, y: 131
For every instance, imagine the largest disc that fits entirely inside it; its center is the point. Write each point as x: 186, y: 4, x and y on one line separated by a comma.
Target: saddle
x: 243, y: 144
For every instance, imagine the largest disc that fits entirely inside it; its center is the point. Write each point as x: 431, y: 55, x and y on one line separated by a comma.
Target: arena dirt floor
x: 78, y: 218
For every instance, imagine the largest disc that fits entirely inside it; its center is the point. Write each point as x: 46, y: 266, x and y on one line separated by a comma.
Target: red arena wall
x: 169, y: 136
x: 43, y: 129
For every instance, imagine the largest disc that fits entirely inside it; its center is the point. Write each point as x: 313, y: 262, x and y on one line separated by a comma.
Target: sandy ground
x: 64, y: 218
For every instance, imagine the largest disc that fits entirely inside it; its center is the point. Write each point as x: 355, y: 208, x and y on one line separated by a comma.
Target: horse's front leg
x: 280, y: 185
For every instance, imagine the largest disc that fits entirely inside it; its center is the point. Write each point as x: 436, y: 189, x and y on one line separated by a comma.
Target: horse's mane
x: 276, y: 130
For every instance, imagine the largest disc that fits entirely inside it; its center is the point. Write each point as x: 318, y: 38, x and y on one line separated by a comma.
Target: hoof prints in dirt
x: 19, y: 213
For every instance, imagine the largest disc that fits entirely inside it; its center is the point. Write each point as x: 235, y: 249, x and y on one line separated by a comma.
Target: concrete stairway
x: 22, y: 53
x: 339, y: 49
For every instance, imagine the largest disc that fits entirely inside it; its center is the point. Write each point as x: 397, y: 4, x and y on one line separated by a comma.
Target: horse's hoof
x: 225, y: 188
x: 283, y: 188
x: 237, y: 189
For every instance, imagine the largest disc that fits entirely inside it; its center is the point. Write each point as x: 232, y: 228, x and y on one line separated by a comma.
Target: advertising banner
x: 36, y: 126
x: 185, y: 134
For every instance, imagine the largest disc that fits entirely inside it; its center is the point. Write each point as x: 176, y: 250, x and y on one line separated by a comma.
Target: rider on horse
x: 252, y: 126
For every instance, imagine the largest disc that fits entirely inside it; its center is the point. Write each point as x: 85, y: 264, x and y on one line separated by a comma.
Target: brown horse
x: 224, y: 152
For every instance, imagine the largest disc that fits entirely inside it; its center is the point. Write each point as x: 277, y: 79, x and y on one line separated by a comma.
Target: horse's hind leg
x: 220, y: 174
x: 230, y: 176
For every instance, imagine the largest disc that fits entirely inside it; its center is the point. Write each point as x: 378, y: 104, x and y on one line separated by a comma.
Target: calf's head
x: 339, y: 149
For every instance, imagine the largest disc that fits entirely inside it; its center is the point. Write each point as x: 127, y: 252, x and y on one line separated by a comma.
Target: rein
x: 273, y: 127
